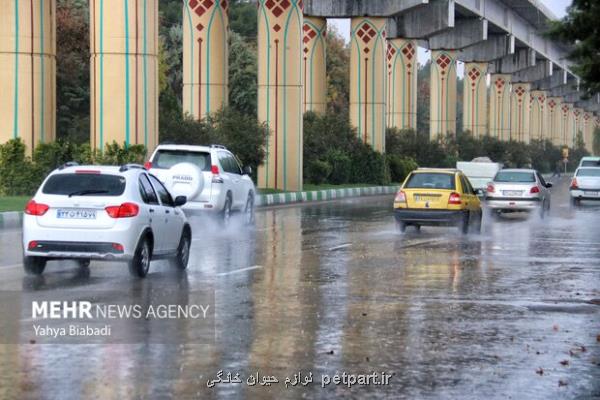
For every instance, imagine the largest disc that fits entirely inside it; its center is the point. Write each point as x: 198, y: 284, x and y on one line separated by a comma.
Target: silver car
x: 585, y: 185
x: 516, y: 190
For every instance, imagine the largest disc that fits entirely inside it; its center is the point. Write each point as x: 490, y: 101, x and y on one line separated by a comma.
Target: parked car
x: 480, y: 171
x: 104, y: 213
x: 585, y: 185
x: 589, y: 162
x: 211, y: 178
x: 437, y: 197
x: 518, y: 190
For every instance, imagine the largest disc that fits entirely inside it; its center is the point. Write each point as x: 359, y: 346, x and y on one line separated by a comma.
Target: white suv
x: 209, y: 176
x: 104, y: 213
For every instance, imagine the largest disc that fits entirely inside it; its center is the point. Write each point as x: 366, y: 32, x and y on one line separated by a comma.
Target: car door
x: 233, y: 174
x: 150, y: 198
x: 173, y: 224
x: 471, y: 199
x: 240, y: 184
x: 543, y: 188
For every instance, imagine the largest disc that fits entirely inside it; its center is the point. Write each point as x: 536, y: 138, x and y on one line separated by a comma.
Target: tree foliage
x: 338, y: 72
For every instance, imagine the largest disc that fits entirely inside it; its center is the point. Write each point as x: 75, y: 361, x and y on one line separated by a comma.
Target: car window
x: 228, y: 163
x: 592, y: 172
x: 146, y: 190
x: 466, y: 185
x: 515, y: 177
x: 431, y: 180
x: 590, y: 163
x: 85, y: 184
x: 541, y: 179
x: 163, y: 193
x: 165, y: 159
x: 235, y: 167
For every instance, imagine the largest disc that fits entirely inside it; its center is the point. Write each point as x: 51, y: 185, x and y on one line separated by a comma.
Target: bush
x: 400, y: 167
x: 17, y: 174
x: 341, y: 165
x: 317, y: 171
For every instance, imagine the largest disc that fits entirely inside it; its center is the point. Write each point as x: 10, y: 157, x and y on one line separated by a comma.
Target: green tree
x: 338, y: 72
x: 580, y: 29
x: 243, y: 71
x: 243, y: 19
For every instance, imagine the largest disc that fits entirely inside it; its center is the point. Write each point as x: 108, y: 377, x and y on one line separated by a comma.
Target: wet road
x: 332, y: 288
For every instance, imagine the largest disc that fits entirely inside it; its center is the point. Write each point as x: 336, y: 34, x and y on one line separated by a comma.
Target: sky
x: 558, y: 7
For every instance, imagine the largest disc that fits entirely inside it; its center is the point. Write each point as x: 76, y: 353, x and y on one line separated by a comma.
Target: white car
x: 104, y: 213
x: 210, y: 177
x: 589, y: 161
x: 518, y: 190
x: 585, y: 185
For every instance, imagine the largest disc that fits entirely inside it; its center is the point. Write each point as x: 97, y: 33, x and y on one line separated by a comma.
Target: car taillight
x: 574, y: 184
x: 534, y: 190
x: 125, y: 210
x: 214, y: 169
x: 32, y: 245
x: 147, y: 165
x: 490, y: 188
x: 33, y: 208
x: 400, y: 197
x: 117, y: 246
x: 454, y: 198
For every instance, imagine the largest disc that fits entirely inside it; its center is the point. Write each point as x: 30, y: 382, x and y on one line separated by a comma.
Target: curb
x: 13, y: 219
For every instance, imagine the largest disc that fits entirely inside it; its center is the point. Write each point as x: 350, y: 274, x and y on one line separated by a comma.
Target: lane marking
x: 342, y: 246
x: 11, y: 266
x: 240, y: 270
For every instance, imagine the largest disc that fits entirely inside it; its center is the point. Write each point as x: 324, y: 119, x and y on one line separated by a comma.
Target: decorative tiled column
x: 442, y: 110
x: 124, y: 72
x: 555, y: 120
x: 475, y: 101
x: 566, y: 124
x: 499, y: 120
x: 538, y: 121
x: 588, y: 130
x: 280, y: 50
x: 205, y: 56
x: 368, y: 80
x: 27, y: 71
x: 519, y: 119
x: 577, y: 125
x: 402, y: 83
x: 313, y: 64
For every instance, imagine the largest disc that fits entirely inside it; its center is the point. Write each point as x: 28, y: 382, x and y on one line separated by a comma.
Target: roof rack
x: 218, y: 146
x: 68, y: 164
x: 130, y: 166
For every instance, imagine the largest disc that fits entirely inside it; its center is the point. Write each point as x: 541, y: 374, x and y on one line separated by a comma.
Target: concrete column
x: 475, y: 100
x: 554, y: 120
x: 566, y: 124
x: 499, y: 120
x: 124, y: 73
x: 538, y: 121
x: 577, y: 125
x: 588, y: 130
x: 280, y: 25
x: 519, y: 119
x: 368, y: 80
x: 27, y: 71
x: 205, y: 56
x: 313, y: 64
x: 443, y: 94
x: 402, y: 83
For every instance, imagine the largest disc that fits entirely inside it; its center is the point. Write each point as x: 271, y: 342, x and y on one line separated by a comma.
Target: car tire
x: 464, y: 224
x: 84, y: 262
x: 183, y: 250
x: 140, y: 264
x: 543, y: 210
x: 401, y: 226
x: 249, y: 211
x: 34, y: 265
x: 226, y: 212
x: 575, y: 202
x: 479, y: 223
x: 417, y: 228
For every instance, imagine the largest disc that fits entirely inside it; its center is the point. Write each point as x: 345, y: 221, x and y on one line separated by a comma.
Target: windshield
x: 85, y: 185
x: 590, y: 163
x: 515, y: 176
x: 165, y: 159
x: 594, y: 172
x: 431, y: 180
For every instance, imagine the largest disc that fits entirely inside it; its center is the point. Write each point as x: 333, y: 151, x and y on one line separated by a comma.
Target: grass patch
x: 13, y: 203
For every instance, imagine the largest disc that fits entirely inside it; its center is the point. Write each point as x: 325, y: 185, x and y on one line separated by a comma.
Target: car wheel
x: 418, y: 228
x: 543, y: 210
x: 479, y: 223
x: 34, y: 265
x: 140, y: 264
x: 401, y: 226
x: 249, y: 210
x: 464, y: 224
x: 84, y: 263
x: 226, y: 213
x: 183, y: 250
x: 575, y: 202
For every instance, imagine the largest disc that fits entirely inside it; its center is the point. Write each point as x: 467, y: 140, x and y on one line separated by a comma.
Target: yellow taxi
x: 432, y: 196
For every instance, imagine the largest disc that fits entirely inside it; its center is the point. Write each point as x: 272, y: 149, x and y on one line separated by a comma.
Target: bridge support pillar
x: 538, y: 119
x: 499, y: 120
x: 475, y: 99
x: 443, y: 94
x: 368, y: 80
x: 280, y: 50
x: 402, y: 84
x: 555, y: 120
x: 28, y: 71
x: 313, y: 64
x: 577, y: 126
x: 520, y: 109
x: 205, y: 56
x: 124, y: 73
x: 566, y: 124
x: 588, y: 130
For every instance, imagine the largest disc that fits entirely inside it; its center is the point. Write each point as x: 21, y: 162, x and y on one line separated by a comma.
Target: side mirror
x: 247, y: 170
x: 180, y: 200
x: 549, y: 185
x: 480, y: 192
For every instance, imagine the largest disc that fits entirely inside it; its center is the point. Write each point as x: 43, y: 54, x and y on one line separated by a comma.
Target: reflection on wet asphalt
x: 332, y: 288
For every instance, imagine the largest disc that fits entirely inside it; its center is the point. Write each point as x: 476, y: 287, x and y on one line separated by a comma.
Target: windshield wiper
x: 86, y: 192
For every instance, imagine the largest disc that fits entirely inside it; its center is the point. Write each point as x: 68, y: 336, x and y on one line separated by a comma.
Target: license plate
x: 75, y: 214
x: 513, y: 193
x: 420, y: 197
x: 588, y: 193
